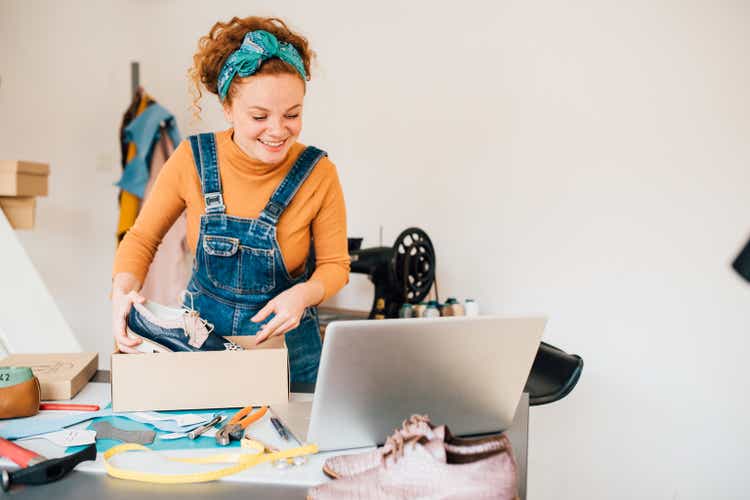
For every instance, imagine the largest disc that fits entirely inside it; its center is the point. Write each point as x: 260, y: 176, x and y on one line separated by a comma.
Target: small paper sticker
x: 174, y: 435
x: 68, y: 437
x: 182, y: 420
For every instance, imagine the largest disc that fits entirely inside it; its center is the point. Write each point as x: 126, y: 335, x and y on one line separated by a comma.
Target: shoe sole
x: 148, y: 346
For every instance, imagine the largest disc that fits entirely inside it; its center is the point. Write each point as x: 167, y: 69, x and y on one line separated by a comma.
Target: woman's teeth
x: 272, y: 144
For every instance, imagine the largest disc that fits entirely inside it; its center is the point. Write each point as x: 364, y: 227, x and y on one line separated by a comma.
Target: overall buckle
x: 214, y: 202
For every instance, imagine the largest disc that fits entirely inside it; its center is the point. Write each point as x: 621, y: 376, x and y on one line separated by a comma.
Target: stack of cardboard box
x: 20, y: 183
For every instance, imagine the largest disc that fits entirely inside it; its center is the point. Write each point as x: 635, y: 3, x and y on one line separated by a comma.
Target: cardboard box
x: 19, y: 210
x: 23, y: 178
x: 259, y: 375
x: 60, y: 375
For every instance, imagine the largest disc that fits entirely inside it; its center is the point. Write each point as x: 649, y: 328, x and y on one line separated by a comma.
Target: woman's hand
x: 288, y: 308
x: 124, y: 294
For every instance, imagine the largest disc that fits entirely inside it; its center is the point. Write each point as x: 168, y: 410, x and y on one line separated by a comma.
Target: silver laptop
x: 466, y: 372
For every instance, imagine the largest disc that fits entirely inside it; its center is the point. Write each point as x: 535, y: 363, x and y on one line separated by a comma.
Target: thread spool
x: 471, y: 307
x: 447, y: 309
x: 418, y: 309
x: 457, y: 308
x: 406, y: 311
x: 432, y: 310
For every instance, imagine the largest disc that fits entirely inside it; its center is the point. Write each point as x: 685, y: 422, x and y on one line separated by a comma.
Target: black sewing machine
x: 404, y: 272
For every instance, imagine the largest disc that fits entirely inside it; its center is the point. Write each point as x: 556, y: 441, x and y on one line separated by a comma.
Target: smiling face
x: 266, y: 113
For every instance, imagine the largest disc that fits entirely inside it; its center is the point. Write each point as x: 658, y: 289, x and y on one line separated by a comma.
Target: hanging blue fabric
x: 144, y: 133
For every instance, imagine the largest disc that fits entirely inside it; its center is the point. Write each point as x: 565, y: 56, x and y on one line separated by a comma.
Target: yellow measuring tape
x: 244, y: 461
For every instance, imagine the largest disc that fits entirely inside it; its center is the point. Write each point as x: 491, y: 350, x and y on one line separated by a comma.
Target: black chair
x: 741, y: 263
x: 553, y: 375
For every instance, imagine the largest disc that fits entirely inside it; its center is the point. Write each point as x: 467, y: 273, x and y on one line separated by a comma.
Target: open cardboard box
x: 259, y: 375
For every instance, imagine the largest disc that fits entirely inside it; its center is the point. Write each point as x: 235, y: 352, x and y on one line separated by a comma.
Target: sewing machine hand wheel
x: 413, y: 264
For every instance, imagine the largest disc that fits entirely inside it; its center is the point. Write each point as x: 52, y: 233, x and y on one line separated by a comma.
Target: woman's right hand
x: 122, y: 301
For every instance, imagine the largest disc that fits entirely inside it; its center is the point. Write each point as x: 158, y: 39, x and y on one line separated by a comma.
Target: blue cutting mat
x: 103, y: 445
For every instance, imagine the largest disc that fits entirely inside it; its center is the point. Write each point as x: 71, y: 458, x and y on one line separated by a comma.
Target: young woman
x: 255, y: 199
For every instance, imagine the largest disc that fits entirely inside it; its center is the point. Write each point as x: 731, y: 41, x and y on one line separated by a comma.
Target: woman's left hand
x: 288, y: 307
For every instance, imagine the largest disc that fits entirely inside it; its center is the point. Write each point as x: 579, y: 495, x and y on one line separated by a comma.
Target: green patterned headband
x: 257, y: 47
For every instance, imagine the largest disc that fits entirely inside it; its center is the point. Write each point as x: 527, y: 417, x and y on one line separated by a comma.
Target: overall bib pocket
x: 238, y: 268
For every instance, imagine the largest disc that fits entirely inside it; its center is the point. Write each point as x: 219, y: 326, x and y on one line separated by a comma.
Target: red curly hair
x: 225, y: 38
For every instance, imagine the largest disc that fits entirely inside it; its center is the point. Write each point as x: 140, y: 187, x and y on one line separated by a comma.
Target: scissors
x: 234, y: 429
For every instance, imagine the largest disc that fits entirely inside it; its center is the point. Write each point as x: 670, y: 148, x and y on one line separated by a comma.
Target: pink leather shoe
x: 426, y: 469
x: 351, y: 465
x: 416, y: 426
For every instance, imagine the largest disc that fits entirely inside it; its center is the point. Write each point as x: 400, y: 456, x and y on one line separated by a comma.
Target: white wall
x: 586, y: 161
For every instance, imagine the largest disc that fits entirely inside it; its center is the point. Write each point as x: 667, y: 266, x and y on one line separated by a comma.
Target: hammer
x: 36, y: 469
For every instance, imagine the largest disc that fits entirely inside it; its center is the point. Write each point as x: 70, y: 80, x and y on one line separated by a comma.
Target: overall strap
x: 291, y: 183
x: 204, y: 154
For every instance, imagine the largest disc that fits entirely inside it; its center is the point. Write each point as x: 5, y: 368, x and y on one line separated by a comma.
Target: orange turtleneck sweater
x: 317, y: 208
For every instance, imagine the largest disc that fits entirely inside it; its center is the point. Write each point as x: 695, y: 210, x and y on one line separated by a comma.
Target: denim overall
x: 238, y: 265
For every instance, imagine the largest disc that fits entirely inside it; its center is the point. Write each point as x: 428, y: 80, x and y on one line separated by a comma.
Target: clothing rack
x: 135, y: 84
x: 135, y: 77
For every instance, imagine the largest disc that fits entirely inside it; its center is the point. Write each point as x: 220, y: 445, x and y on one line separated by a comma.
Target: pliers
x: 234, y: 429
